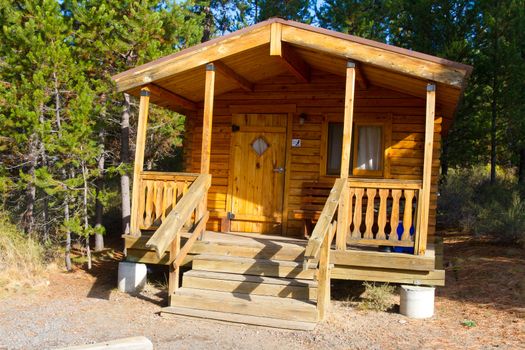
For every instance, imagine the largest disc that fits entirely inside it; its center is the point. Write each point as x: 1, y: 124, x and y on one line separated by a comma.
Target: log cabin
x: 309, y: 155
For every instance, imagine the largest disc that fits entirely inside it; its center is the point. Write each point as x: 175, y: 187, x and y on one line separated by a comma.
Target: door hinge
x: 230, y: 215
x: 235, y: 128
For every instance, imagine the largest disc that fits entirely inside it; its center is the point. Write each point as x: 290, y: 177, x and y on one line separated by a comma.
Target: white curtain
x: 369, y: 148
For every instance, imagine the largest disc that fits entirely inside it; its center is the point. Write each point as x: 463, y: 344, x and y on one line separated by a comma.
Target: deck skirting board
x: 433, y: 278
x: 398, y: 261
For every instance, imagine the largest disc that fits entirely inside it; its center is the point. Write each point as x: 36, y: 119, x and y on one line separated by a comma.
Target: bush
x: 467, y: 201
x: 21, y: 259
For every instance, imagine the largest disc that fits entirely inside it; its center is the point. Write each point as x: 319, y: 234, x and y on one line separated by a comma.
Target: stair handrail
x: 171, y: 226
x: 324, y: 225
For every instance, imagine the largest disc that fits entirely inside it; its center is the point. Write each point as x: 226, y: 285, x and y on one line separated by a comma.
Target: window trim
x: 384, y: 120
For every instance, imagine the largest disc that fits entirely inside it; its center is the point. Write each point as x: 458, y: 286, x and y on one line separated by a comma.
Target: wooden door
x: 257, y: 172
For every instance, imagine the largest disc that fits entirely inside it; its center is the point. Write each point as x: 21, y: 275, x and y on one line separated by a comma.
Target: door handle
x: 279, y: 170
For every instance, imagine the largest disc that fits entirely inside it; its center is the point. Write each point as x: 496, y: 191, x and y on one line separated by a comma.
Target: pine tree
x: 47, y: 112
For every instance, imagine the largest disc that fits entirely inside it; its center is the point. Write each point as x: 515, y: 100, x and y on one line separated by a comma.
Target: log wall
x: 319, y: 100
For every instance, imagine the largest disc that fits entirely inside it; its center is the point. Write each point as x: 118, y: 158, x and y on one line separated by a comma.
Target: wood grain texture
x: 427, y: 169
x: 323, y: 96
x: 140, y: 145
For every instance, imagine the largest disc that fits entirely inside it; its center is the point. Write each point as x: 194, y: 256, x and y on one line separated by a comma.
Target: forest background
x: 66, y: 135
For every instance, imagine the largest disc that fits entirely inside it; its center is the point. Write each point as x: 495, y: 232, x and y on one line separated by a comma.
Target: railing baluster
x: 159, y: 194
x: 407, y: 216
x: 142, y: 204
x: 351, y: 194
x: 150, y: 196
x: 381, y: 220
x: 369, y: 219
x: 358, y: 212
x: 394, y: 216
x: 168, y: 198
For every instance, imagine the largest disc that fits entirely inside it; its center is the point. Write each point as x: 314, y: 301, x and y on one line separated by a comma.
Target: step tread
x: 259, y: 299
x: 249, y: 266
x: 255, y: 305
x: 214, y: 257
x: 237, y: 318
x: 250, y: 278
x: 266, y: 251
x: 253, y: 239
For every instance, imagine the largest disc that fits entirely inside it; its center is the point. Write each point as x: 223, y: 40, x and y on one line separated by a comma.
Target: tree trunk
x: 493, y: 129
x: 124, y: 159
x: 521, y: 165
x: 207, y: 25
x: 29, y: 218
x: 67, y: 256
x: 494, y: 107
x: 99, y: 207
x: 85, y: 213
x: 58, y: 120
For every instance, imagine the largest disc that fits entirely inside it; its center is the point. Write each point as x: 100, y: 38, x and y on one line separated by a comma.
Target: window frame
x: 382, y: 120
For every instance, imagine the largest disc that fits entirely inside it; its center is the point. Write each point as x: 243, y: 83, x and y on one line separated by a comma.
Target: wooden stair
x: 247, y: 284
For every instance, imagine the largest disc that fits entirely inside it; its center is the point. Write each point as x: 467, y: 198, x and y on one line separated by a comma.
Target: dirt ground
x: 482, y: 307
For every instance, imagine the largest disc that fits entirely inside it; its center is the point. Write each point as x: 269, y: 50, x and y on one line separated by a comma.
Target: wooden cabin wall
x: 324, y: 95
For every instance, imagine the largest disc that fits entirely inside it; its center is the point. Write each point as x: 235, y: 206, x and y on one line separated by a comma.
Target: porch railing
x: 159, y: 192
x: 191, y: 206
x: 318, y: 248
x: 383, y: 212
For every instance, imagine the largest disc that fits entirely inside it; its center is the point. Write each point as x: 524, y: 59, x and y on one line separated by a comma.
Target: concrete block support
x: 131, y: 276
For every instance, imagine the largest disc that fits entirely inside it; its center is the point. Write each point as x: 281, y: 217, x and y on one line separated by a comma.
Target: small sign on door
x: 296, y: 142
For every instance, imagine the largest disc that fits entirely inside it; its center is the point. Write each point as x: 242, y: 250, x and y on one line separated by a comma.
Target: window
x: 335, y: 144
x: 367, y: 149
x: 368, y: 155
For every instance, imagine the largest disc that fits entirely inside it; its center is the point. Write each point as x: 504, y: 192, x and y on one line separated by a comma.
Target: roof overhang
x: 245, y: 57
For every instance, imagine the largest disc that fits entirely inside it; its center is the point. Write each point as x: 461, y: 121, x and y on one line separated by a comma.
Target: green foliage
x: 469, y: 202
x: 59, y: 111
x: 468, y: 323
x: 367, y: 18
x: 377, y: 297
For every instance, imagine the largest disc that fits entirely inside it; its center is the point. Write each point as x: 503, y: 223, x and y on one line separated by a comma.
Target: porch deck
x: 362, y: 263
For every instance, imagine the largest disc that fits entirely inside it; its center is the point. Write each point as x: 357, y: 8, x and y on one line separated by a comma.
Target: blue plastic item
x: 400, y: 230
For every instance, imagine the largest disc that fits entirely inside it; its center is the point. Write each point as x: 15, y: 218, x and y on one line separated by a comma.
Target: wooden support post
x: 173, y: 279
x: 207, y: 118
x: 424, y: 204
x: 342, y: 229
x: 139, y: 159
x: 207, y: 121
x: 323, y: 278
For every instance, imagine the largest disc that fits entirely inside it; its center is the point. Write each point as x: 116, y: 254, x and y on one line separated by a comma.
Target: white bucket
x: 416, y: 301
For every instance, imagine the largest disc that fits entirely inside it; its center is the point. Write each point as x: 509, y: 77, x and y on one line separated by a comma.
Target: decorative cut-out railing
x: 383, y: 212
x: 159, y: 192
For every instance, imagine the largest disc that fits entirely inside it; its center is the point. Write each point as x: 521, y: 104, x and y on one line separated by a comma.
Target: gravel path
x: 81, y: 308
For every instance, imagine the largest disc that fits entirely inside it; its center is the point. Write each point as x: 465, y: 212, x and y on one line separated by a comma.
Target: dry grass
x: 21, y: 260
x: 377, y: 297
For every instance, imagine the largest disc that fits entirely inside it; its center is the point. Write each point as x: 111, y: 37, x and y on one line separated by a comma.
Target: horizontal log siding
x: 324, y: 95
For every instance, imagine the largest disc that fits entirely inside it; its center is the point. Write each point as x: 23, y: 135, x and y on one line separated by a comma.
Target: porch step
x: 300, y: 289
x: 237, y: 318
x: 254, y: 267
x: 261, y: 310
x: 276, y: 250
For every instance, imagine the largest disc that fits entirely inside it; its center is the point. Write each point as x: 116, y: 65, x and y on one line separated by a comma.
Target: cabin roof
x: 247, y: 56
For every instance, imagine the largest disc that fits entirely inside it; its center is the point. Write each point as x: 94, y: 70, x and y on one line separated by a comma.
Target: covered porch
x: 274, y: 186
